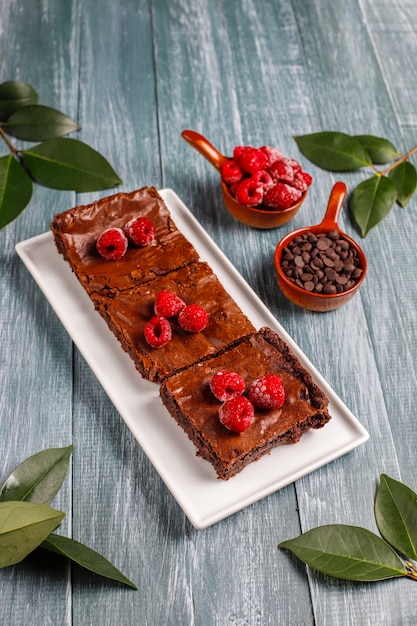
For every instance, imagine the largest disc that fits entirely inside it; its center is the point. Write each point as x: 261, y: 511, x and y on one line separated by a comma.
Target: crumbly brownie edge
x: 204, y: 449
x: 317, y: 397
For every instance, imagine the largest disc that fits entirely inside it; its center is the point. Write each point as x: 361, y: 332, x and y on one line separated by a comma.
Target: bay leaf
x: 15, y: 94
x: 15, y: 189
x: 379, y: 149
x: 372, y: 200
x: 85, y: 557
x: 347, y: 552
x: 69, y: 164
x: 38, y: 478
x: 404, y: 175
x: 396, y: 515
x: 23, y: 527
x: 39, y: 123
x: 333, y: 151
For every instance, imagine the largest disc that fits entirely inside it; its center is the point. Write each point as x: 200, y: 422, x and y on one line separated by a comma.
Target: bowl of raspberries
x: 261, y: 187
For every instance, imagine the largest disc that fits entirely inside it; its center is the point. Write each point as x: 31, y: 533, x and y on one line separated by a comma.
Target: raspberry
x: 193, y: 318
x: 294, y: 164
x: 237, y: 414
x: 158, y: 331
x: 308, y: 179
x: 238, y: 151
x: 249, y: 192
x: 167, y: 304
x: 140, y: 231
x: 281, y: 171
x: 299, y: 183
x: 267, y: 392
x: 263, y: 178
x: 231, y: 173
x: 272, y: 154
x: 112, y: 244
x: 280, y: 197
x: 227, y: 385
x: 252, y: 160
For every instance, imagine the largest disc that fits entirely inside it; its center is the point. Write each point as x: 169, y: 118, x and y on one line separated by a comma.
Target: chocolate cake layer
x: 76, y: 232
x: 189, y: 399
x: 127, y: 313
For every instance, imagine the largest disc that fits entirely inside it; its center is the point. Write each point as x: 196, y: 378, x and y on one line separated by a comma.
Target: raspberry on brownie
x: 128, y: 312
x: 190, y: 400
x: 76, y: 232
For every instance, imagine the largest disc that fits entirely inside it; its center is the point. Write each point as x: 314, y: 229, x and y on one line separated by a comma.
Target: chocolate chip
x: 324, y: 263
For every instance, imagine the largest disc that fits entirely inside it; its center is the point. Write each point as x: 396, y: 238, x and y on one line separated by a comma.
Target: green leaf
x: 396, y: 515
x: 69, y: 164
x: 380, y: 150
x: 372, y: 200
x: 15, y: 94
x: 23, y: 527
x: 333, y: 151
x: 38, y: 123
x: 15, y: 189
x: 84, y: 556
x: 39, y: 477
x: 404, y: 175
x: 347, y: 552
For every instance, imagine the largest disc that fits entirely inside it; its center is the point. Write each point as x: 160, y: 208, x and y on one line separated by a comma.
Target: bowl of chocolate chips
x: 320, y: 267
x: 260, y: 186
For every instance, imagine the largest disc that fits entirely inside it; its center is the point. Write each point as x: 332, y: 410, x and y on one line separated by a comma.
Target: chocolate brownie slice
x: 127, y: 313
x: 189, y: 399
x: 76, y: 232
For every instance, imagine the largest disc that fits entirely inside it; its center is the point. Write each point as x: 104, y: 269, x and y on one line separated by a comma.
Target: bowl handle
x: 204, y: 147
x: 336, y: 200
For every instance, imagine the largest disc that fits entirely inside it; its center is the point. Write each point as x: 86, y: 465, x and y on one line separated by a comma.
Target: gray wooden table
x: 135, y: 73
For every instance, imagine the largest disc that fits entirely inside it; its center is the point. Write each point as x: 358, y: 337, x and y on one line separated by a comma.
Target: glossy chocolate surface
x: 128, y: 312
x: 305, y: 406
x: 77, y: 230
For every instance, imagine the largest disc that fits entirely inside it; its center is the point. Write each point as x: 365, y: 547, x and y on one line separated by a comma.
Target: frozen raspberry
x: 299, y: 183
x: 227, y: 385
x: 267, y: 392
x: 280, y: 197
x: 294, y: 164
x: 272, y: 154
x: 193, y: 318
x: 307, y: 178
x: 167, y: 304
x: 237, y: 414
x: 249, y: 192
x: 231, y: 173
x: 263, y: 178
x: 158, y: 331
x: 140, y: 231
x: 238, y: 151
x: 281, y: 171
x: 112, y: 244
x: 252, y: 160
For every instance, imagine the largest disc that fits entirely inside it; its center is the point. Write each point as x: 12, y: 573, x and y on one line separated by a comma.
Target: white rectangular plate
x: 192, y: 481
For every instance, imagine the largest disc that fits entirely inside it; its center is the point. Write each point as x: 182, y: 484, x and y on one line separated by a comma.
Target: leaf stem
x: 411, y: 570
x: 403, y: 158
x: 8, y: 142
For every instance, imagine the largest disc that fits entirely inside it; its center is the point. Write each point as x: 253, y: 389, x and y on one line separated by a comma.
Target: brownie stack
x: 124, y: 292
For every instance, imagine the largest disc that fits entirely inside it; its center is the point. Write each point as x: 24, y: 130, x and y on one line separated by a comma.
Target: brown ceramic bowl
x: 251, y: 216
x: 319, y: 301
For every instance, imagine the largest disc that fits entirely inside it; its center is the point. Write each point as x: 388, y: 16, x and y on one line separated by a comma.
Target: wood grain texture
x: 135, y: 74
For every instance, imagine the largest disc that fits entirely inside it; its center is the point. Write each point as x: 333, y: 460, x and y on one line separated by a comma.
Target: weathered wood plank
x: 135, y: 74
x: 38, y: 44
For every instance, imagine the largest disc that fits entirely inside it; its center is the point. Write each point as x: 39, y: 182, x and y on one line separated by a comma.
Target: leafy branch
x: 373, y: 198
x: 355, y: 553
x: 27, y: 520
x: 56, y: 162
